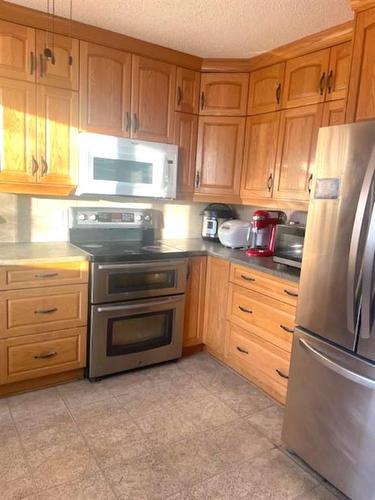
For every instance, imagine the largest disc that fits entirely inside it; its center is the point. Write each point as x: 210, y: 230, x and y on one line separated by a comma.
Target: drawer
x: 43, y: 274
x: 263, y: 363
x: 268, y: 318
x: 279, y: 289
x: 34, y: 356
x: 42, y: 309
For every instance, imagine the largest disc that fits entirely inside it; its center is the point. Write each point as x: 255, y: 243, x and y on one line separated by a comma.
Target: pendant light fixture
x: 48, y: 52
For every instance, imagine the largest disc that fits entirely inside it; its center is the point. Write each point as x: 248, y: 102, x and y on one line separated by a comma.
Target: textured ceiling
x: 208, y: 28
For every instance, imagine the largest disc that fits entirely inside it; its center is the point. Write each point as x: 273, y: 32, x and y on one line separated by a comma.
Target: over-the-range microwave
x: 117, y: 166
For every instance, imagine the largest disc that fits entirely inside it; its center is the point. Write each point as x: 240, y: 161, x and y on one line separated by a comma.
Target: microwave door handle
x: 367, y: 309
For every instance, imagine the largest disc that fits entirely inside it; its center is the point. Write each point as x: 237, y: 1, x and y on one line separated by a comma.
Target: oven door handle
x: 165, y: 301
x: 148, y: 264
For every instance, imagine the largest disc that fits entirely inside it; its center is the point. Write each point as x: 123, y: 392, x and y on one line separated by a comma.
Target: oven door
x: 135, y: 280
x: 133, y: 334
x: 117, y: 166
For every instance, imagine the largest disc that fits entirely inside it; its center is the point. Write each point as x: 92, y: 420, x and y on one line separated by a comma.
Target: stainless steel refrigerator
x: 330, y: 413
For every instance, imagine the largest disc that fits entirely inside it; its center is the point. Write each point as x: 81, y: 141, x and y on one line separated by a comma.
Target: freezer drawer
x: 330, y: 415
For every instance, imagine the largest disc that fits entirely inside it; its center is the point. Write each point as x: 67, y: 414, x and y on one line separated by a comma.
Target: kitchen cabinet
x: 195, y: 301
x: 63, y: 71
x: 339, y: 70
x: 219, y: 155
x: 224, y: 94
x: 17, y: 52
x: 296, y: 152
x: 361, y: 98
x: 305, y: 79
x: 105, y: 83
x: 265, y: 89
x: 187, y: 90
x: 152, y: 102
x: 214, y: 331
x: 259, y: 156
x: 334, y: 113
x: 186, y: 130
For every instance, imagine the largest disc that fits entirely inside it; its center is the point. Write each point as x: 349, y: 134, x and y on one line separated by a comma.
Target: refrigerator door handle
x: 353, y: 284
x: 367, y: 311
x: 340, y: 370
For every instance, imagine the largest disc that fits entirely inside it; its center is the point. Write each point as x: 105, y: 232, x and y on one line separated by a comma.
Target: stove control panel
x: 80, y: 217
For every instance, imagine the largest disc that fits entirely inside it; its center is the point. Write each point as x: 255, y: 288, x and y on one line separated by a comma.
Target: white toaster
x: 234, y: 233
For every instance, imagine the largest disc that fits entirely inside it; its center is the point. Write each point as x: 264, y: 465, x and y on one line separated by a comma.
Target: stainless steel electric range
x: 137, y: 289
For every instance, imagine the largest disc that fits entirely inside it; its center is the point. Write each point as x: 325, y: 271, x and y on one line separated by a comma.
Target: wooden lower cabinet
x: 195, y: 301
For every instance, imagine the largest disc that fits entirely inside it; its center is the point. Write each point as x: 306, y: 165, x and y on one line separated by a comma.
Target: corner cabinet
x: 187, y: 91
x: 224, y: 94
x: 195, y: 301
x: 265, y: 89
x: 186, y: 131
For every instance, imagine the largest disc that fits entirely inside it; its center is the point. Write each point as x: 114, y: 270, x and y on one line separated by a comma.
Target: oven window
x: 139, y: 332
x: 140, y: 281
x: 289, y: 245
x: 122, y: 171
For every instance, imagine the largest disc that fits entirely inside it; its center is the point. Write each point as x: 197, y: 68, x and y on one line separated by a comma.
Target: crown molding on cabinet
x: 359, y: 5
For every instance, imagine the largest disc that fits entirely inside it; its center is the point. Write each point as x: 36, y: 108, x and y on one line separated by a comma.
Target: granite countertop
x: 197, y: 246
x: 12, y: 254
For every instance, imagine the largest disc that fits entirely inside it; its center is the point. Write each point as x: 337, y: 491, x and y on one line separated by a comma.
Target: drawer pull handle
x: 247, y: 278
x: 245, y: 310
x: 242, y: 350
x: 292, y: 294
x: 281, y: 374
x: 46, y: 355
x: 45, y: 311
x: 45, y: 275
x: 289, y: 330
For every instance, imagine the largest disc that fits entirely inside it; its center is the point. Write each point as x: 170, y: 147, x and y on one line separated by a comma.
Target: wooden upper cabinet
x: 187, y: 90
x: 260, y: 155
x: 361, y: 99
x: 334, y: 113
x: 186, y: 130
x: 17, y: 52
x: 18, y: 153
x: 224, y: 94
x: 63, y: 72
x: 153, y: 94
x: 105, y: 80
x: 219, y: 155
x: 296, y: 152
x: 57, y: 135
x: 195, y: 300
x: 305, y: 79
x: 265, y: 89
x: 339, y: 71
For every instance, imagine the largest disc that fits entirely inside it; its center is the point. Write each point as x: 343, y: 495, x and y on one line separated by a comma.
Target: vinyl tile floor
x: 186, y: 430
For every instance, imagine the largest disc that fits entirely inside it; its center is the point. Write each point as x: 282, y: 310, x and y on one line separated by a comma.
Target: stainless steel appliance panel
x: 330, y: 285
x: 330, y: 414
x: 118, y: 281
x: 289, y: 242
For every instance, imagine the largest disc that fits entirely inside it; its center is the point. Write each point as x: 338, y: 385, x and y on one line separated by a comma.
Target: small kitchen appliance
x: 289, y: 240
x: 262, y: 232
x: 213, y: 216
x: 233, y: 233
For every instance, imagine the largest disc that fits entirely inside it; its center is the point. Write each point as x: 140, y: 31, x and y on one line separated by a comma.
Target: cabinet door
x: 296, y: 152
x: 305, y: 79
x: 187, y: 90
x: 334, y: 113
x: 361, y: 99
x: 194, y: 301
x: 217, y: 281
x: 339, y: 71
x: 224, y: 94
x: 17, y: 131
x: 17, y: 51
x: 57, y: 135
x: 105, y: 79
x: 186, y: 130
x: 153, y: 91
x: 63, y: 72
x: 265, y: 89
x: 219, y: 155
x: 260, y: 155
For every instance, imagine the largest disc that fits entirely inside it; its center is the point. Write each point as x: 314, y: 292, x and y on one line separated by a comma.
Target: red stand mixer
x: 261, y: 235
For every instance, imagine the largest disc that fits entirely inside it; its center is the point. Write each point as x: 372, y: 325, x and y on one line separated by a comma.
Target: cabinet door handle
x: 242, y: 350
x: 41, y: 64
x: 247, y: 278
x: 291, y: 294
x: 289, y: 330
x: 136, y: 122
x: 203, y: 100
x: 44, y: 166
x: 270, y: 183
x: 309, y: 182
x: 70, y: 60
x: 46, y: 355
x: 45, y: 275
x: 35, y: 166
x: 32, y: 63
x: 179, y: 95
x: 322, y: 83
x: 278, y: 93
x: 197, y: 179
x: 45, y: 311
x: 128, y: 124
x: 330, y: 81
x: 281, y: 374
x: 245, y: 310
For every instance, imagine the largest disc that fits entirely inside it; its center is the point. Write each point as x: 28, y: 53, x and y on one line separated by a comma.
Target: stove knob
x: 138, y: 218
x: 147, y: 218
x: 93, y: 217
x: 82, y: 217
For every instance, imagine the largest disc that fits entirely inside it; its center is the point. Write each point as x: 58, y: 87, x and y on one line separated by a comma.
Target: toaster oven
x: 289, y: 244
